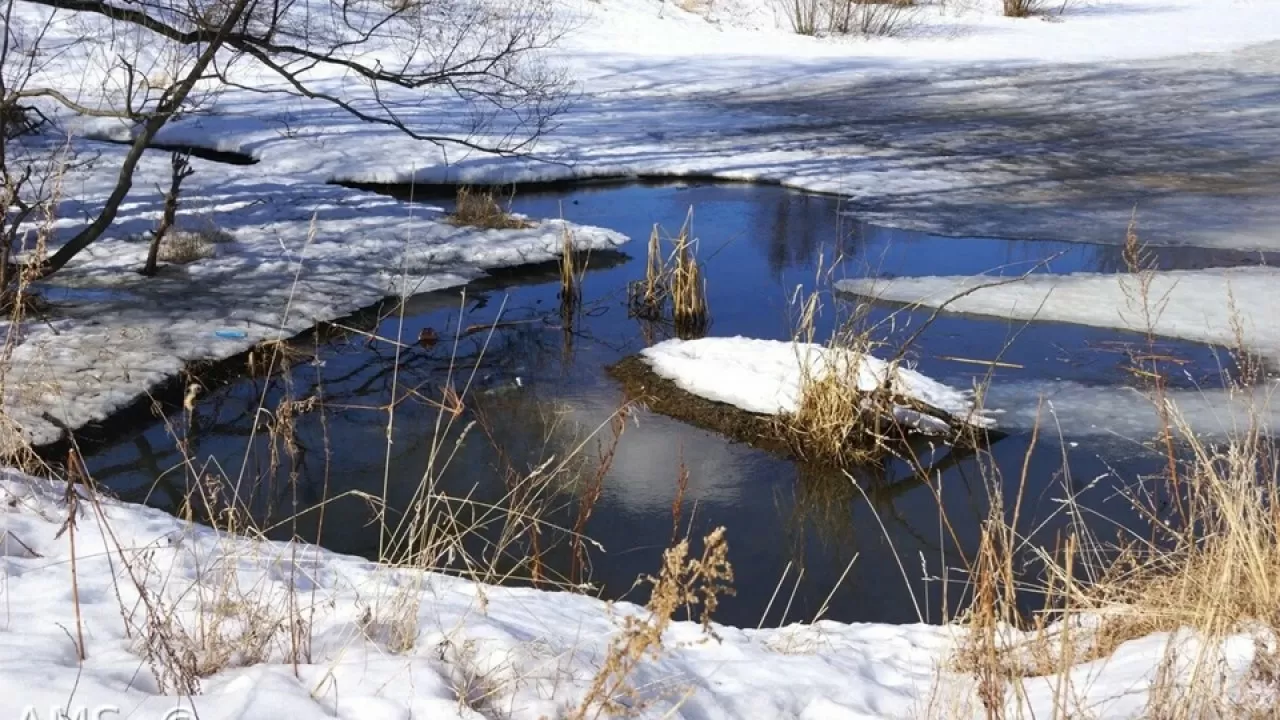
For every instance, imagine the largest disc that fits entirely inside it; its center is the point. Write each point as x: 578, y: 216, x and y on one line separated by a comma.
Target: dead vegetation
x: 183, y: 247
x: 836, y: 420
x: 1202, y: 568
x: 674, y: 289
x: 868, y: 18
x: 1033, y: 8
x: 694, y: 584
x: 475, y: 207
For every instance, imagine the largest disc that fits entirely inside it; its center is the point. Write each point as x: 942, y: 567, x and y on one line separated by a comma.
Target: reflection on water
x: 537, y: 403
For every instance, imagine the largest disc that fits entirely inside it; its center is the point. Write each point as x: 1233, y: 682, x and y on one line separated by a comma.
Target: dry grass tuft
x: 571, y: 271
x: 650, y: 295
x: 694, y: 584
x: 674, y: 287
x: 182, y: 247
x: 1024, y: 8
x: 697, y: 7
x: 869, y: 18
x: 836, y: 422
x: 480, y: 208
x: 831, y: 416
x: 688, y: 288
x: 1202, y: 567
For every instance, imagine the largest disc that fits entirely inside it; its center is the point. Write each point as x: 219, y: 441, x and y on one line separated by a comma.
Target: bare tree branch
x: 402, y: 53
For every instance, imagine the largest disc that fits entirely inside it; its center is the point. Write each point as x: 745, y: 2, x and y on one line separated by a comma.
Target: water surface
x: 536, y: 386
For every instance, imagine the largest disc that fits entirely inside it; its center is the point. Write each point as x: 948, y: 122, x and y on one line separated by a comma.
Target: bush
x: 480, y: 208
x: 187, y: 246
x: 1023, y: 8
x: 879, y: 18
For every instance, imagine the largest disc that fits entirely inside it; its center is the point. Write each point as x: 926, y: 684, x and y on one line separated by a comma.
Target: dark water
x: 540, y: 389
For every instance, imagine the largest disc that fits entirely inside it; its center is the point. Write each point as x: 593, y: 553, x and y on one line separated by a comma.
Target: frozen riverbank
x: 177, y: 615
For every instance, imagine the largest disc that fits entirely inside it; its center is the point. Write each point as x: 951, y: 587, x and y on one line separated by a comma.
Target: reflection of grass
x: 822, y: 503
x: 825, y: 498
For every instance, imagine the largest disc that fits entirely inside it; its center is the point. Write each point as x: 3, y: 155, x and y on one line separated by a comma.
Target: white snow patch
x: 476, y: 650
x: 1209, y: 306
x: 765, y: 377
x: 1077, y: 410
x: 663, y: 91
x: 294, y: 254
x: 1199, y: 305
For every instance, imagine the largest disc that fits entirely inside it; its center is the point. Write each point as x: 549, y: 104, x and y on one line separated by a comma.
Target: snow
x: 765, y: 377
x: 1076, y: 410
x: 522, y: 653
x: 1208, y: 306
x: 474, y: 651
x: 1214, y: 306
x: 297, y: 255
x: 968, y: 124
x: 954, y: 127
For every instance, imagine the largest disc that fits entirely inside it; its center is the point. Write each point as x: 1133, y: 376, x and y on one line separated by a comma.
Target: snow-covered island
x: 181, y: 189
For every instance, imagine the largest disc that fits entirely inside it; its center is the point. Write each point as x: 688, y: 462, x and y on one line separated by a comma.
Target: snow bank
x: 970, y: 123
x: 472, y: 651
x: 1200, y: 305
x: 289, y: 255
x: 476, y: 651
x: 1075, y: 410
x: 764, y: 376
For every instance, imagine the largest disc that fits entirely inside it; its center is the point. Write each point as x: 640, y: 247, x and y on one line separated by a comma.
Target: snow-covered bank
x: 294, y: 255
x: 1224, y: 307
x: 1210, y: 306
x: 969, y: 124
x: 295, y: 631
x: 473, y: 651
x: 767, y: 377
x: 1131, y: 415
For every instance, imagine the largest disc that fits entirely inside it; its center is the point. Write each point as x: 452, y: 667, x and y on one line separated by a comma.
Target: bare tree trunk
x: 164, y: 111
x: 484, y: 53
x: 181, y: 164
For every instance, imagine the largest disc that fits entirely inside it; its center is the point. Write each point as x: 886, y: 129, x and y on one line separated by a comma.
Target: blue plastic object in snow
x: 231, y: 334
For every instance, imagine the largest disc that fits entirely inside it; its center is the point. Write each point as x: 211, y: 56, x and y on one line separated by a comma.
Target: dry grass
x: 869, y: 18
x: 688, y: 287
x: 571, y: 272
x: 804, y: 15
x: 1204, y: 569
x: 480, y: 208
x: 836, y: 422
x: 833, y: 419
x: 693, y: 584
x: 1206, y: 572
x: 674, y: 288
x: 1024, y: 8
x: 182, y: 247
x: 697, y: 7
x: 650, y: 295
